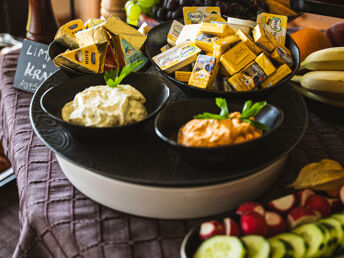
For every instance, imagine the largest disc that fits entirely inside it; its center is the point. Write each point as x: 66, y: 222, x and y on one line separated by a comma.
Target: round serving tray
x: 145, y: 160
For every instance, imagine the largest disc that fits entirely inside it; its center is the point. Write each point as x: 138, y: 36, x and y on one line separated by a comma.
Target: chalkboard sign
x: 34, y: 66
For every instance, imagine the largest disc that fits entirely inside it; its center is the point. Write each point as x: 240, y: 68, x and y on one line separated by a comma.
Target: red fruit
x: 301, y: 215
x: 336, y: 34
x: 250, y: 206
x: 283, y: 205
x: 211, y: 228
x: 276, y: 224
x: 341, y: 194
x: 335, y: 204
x: 231, y: 227
x: 253, y: 223
x: 303, y: 195
x: 320, y: 204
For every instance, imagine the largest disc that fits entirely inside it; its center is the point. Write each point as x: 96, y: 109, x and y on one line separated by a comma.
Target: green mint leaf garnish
x: 256, y: 124
x: 113, y: 80
x: 207, y: 115
x: 222, y: 104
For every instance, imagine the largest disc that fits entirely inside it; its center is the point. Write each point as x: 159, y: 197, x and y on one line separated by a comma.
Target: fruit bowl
x: 157, y: 39
x: 53, y: 99
x: 175, y: 115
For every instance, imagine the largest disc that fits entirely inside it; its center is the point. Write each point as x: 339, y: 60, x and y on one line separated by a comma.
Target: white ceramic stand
x: 170, y: 202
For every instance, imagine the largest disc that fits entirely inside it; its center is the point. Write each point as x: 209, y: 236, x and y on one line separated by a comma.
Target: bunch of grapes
x: 173, y: 9
x: 133, y: 9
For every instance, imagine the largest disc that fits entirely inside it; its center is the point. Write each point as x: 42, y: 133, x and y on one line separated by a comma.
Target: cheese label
x: 174, y: 32
x: 110, y: 62
x: 66, y: 33
x: 282, y: 56
x: 131, y: 54
x: 203, y: 72
x: 196, y: 14
x: 204, y: 42
x: 274, y: 24
x: 177, y: 57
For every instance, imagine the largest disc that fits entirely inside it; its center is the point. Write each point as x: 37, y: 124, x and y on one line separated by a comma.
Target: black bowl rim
x: 223, y: 93
x: 102, y: 128
x: 224, y: 147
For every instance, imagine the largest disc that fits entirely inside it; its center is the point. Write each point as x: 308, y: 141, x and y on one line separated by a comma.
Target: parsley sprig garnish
x: 113, y: 80
x: 249, y: 110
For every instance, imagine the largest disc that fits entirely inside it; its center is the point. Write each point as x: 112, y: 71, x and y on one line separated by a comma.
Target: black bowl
x: 175, y: 115
x: 152, y: 87
x: 190, y: 243
x: 157, y: 38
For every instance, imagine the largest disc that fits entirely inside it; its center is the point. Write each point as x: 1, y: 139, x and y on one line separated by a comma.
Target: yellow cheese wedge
x: 277, y: 76
x: 93, y: 22
x: 94, y: 35
x: 118, y: 27
x: 66, y: 33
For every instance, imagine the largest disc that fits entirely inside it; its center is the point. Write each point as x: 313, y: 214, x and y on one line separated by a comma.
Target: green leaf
x: 207, y: 115
x: 250, y: 110
x: 222, y: 104
x: 247, y: 106
x: 256, y: 124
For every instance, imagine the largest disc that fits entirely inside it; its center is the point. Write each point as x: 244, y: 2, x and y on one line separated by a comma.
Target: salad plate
x: 141, y: 174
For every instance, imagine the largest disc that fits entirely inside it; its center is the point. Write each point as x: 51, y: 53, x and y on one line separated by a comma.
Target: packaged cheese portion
x: 217, y: 29
x: 221, y: 45
x: 214, y: 17
x: 249, y: 42
x: 240, y: 24
x: 182, y: 76
x: 237, y: 58
x: 262, y: 39
x: 282, y: 55
x: 204, y: 42
x: 144, y: 28
x: 242, y: 82
x: 93, y: 22
x: 118, y: 27
x: 204, y: 72
x: 188, y: 33
x: 274, y: 24
x: 95, y: 58
x: 66, y: 34
x: 127, y: 54
x: 174, y: 32
x: 164, y: 48
x: 264, y: 62
x: 94, y: 35
x: 277, y: 76
x: 177, y: 57
x: 196, y: 14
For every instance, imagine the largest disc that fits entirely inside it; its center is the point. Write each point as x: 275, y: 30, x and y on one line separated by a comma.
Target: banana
x: 329, y: 59
x: 324, y: 82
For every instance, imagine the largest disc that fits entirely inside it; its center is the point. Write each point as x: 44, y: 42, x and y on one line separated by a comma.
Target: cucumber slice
x: 280, y: 248
x: 221, y: 247
x: 297, y: 242
x: 336, y: 233
x: 340, y: 218
x: 330, y: 245
x: 314, y: 238
x: 257, y: 246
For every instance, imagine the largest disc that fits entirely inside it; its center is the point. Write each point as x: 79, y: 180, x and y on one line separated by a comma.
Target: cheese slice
x: 118, y: 27
x: 66, y: 33
x: 94, y: 35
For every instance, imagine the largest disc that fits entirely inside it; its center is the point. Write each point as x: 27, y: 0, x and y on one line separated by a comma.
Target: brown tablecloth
x: 56, y: 220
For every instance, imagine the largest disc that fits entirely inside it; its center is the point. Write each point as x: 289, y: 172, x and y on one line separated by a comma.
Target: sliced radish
x: 282, y: 205
x: 231, y: 227
x: 320, y: 204
x: 301, y: 215
x: 303, y: 195
x: 335, y: 204
x: 341, y: 194
x: 211, y: 228
x: 250, y: 206
x: 253, y: 223
x: 276, y: 224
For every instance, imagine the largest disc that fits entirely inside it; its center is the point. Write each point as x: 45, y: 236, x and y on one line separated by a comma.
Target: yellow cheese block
x: 277, y: 76
x: 204, y: 72
x: 217, y: 29
x: 204, y: 42
x: 182, y: 76
x: 66, y: 33
x: 94, y: 58
x: 249, y: 42
x: 241, y: 82
x: 94, y: 35
x: 93, y: 22
x: 177, y: 57
x: 237, y: 58
x: 223, y: 44
x: 118, y: 27
x: 264, y: 62
x: 262, y: 39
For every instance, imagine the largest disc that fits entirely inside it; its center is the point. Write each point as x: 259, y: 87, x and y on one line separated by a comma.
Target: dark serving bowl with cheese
x: 148, y: 94
x: 157, y: 40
